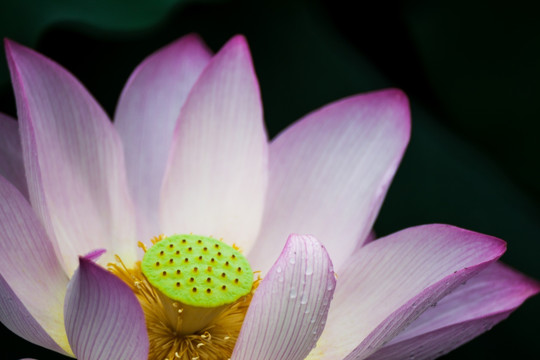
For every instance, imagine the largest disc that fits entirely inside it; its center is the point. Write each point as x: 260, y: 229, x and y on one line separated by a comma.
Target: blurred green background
x: 471, y: 70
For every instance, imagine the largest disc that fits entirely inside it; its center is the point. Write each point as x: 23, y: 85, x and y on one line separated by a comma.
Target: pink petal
x: 15, y: 316
x: 468, y: 311
x: 73, y: 160
x: 104, y: 320
x: 146, y: 116
x: 391, y: 281
x: 11, y: 162
x: 33, y: 281
x: 329, y: 173
x: 216, y: 177
x: 289, y: 309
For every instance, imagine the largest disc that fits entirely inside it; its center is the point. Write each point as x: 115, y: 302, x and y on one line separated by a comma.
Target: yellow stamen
x: 164, y: 318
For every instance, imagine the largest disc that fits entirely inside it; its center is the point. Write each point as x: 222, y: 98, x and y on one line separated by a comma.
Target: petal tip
x: 496, y: 245
x: 237, y: 45
x: 190, y: 40
x: 93, y: 255
x: 400, y: 100
x: 8, y: 44
x: 392, y: 101
x: 87, y: 262
x: 13, y: 48
x: 238, y: 40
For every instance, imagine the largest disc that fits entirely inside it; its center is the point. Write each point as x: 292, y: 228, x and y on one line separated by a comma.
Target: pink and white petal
x: 34, y: 283
x: 468, y: 311
x: 15, y: 316
x: 73, y: 160
x: 388, y: 283
x: 288, y: 312
x: 330, y: 171
x: 146, y: 116
x: 11, y: 162
x: 103, y: 318
x: 216, y: 178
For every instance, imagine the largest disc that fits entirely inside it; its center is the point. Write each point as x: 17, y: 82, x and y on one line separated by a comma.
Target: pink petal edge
x: 468, y: 311
x: 71, y: 151
x: 329, y: 173
x: 391, y: 281
x: 34, y: 282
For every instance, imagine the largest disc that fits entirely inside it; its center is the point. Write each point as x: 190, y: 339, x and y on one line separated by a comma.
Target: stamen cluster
x: 167, y: 317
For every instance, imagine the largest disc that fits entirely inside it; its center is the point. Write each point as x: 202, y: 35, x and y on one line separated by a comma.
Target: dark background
x: 471, y: 70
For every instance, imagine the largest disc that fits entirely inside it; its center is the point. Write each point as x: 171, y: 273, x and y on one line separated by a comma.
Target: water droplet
x: 292, y: 293
x: 309, y: 270
x: 278, y: 269
x: 330, y: 287
x: 292, y: 260
x: 304, y: 299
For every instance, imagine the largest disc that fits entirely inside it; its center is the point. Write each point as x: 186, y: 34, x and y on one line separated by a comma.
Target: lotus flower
x: 187, y: 156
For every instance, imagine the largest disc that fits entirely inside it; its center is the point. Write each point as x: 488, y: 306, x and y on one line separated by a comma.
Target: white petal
x: 32, y: 275
x: 146, y: 116
x: 73, y: 160
x: 329, y: 174
x: 391, y: 281
x: 215, y: 182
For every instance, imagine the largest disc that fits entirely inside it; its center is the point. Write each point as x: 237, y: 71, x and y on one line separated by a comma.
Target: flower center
x: 195, y: 292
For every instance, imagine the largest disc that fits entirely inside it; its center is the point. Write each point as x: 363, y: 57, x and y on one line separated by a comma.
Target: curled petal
x: 103, y: 318
x: 289, y: 309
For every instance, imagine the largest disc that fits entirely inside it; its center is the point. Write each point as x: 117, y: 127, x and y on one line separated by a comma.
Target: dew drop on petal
x: 330, y: 286
x: 293, y: 293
